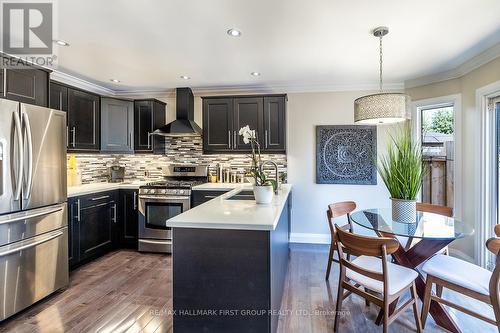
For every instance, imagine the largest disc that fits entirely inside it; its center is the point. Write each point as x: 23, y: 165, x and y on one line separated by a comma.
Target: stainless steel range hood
x: 184, y: 125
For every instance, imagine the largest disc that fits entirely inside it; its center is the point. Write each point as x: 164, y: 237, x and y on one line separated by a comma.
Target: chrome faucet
x: 276, y: 172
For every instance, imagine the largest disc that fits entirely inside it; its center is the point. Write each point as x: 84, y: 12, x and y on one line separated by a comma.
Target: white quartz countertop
x: 220, y: 213
x: 74, y: 191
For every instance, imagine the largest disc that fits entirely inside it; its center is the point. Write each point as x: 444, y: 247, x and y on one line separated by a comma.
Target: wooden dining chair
x: 406, y: 242
x: 371, y: 270
x: 334, y: 211
x: 465, y: 278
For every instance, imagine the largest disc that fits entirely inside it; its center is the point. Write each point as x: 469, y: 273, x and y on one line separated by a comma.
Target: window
x: 438, y: 149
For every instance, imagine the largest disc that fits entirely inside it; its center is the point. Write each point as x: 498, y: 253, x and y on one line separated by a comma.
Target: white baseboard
x: 309, y: 238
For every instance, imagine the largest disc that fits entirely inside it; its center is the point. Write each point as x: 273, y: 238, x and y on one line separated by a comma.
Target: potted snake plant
x: 264, y: 187
x: 402, y: 172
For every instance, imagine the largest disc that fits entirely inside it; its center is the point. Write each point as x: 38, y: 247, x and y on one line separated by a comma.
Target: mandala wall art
x: 346, y: 154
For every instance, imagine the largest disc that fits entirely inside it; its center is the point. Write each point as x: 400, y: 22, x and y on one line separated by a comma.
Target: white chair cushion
x: 398, y: 276
x: 459, y: 272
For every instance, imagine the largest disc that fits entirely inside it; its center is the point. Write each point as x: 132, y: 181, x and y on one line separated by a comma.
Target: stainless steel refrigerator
x: 33, y: 209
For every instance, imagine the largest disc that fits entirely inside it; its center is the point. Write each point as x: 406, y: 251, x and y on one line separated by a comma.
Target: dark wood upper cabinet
x: 83, y: 121
x: 149, y: 115
x: 58, y: 97
x: 224, y: 116
x: 218, y: 124
x: 27, y: 85
x: 247, y: 111
x: 117, y: 125
x: 274, y: 136
x: 1, y: 81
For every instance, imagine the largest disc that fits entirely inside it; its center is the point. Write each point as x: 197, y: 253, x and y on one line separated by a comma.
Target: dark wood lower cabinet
x: 128, y: 218
x: 101, y: 222
x: 198, y: 197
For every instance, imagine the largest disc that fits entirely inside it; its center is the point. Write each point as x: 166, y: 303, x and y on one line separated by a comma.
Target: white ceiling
x: 149, y: 44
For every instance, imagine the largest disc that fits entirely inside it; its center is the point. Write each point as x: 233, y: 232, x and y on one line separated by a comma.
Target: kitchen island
x: 230, y: 260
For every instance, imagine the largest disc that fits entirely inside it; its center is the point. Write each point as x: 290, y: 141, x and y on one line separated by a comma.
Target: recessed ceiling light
x: 185, y: 77
x: 61, y: 42
x: 234, y: 32
x: 114, y: 80
x: 255, y: 74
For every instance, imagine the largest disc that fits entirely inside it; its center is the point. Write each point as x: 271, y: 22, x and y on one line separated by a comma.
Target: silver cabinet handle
x: 149, y: 139
x: 22, y: 216
x: 114, y: 213
x: 29, y: 181
x: 17, y: 124
x: 67, y: 136
x: 78, y: 216
x: 135, y: 200
x: 30, y: 245
x: 211, y: 196
x: 100, y: 198
x: 265, y: 137
x: 234, y: 136
x: 73, y: 131
x: 229, y: 139
x: 130, y: 140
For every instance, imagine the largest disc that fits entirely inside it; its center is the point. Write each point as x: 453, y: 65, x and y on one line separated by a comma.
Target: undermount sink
x: 243, y: 195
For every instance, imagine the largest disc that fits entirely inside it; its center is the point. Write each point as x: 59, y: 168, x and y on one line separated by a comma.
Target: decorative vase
x: 404, y: 211
x: 263, y: 194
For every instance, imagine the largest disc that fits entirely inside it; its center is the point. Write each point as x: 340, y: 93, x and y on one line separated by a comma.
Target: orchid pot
x: 263, y: 193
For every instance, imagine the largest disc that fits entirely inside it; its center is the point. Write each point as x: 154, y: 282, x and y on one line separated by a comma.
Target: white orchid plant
x: 250, y: 137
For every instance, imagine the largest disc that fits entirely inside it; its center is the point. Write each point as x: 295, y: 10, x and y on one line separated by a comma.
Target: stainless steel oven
x: 154, y: 210
x: 163, y: 200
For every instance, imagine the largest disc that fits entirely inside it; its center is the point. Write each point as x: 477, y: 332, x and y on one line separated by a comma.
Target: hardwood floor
x: 127, y: 291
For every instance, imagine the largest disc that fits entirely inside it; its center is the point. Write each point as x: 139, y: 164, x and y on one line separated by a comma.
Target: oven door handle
x: 163, y: 198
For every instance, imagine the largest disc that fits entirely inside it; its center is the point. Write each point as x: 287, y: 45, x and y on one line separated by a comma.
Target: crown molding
x: 465, y: 68
x: 81, y: 83
x: 270, y: 89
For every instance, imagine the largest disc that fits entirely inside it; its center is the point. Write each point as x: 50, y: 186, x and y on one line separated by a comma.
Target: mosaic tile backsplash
x: 183, y: 150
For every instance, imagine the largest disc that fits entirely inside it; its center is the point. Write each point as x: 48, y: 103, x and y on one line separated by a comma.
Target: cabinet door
x: 58, y: 97
x: 96, y: 228
x: 73, y: 208
x: 128, y: 218
x: 1, y: 80
x: 27, y: 85
x: 83, y: 121
x: 143, y: 126
x: 274, y: 124
x: 218, y: 124
x: 159, y: 120
x: 248, y: 111
x: 117, y: 123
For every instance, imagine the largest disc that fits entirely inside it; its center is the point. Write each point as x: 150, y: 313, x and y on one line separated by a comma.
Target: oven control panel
x: 163, y: 191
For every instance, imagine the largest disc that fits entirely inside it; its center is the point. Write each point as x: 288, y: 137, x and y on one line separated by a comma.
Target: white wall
x: 310, y: 200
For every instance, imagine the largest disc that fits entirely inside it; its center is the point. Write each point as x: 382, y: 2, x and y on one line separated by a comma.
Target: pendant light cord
x: 380, y: 68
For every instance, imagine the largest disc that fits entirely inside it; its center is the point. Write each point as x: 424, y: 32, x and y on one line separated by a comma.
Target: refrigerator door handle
x: 19, y: 134
x: 29, y: 181
x: 32, y: 244
x: 22, y: 216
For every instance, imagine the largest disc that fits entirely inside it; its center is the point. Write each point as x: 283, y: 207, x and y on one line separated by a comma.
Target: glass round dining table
x: 428, y: 226
x: 433, y: 231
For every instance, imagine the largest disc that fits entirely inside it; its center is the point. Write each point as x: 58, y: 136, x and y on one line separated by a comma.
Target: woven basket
x: 404, y: 211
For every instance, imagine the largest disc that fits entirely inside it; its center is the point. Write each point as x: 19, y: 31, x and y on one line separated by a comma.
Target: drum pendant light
x: 381, y: 108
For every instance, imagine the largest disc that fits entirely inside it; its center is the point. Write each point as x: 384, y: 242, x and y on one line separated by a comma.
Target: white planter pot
x: 404, y: 211
x: 263, y: 194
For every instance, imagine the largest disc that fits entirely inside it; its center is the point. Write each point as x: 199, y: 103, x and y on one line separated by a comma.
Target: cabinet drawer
x: 97, y: 198
x: 199, y: 197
